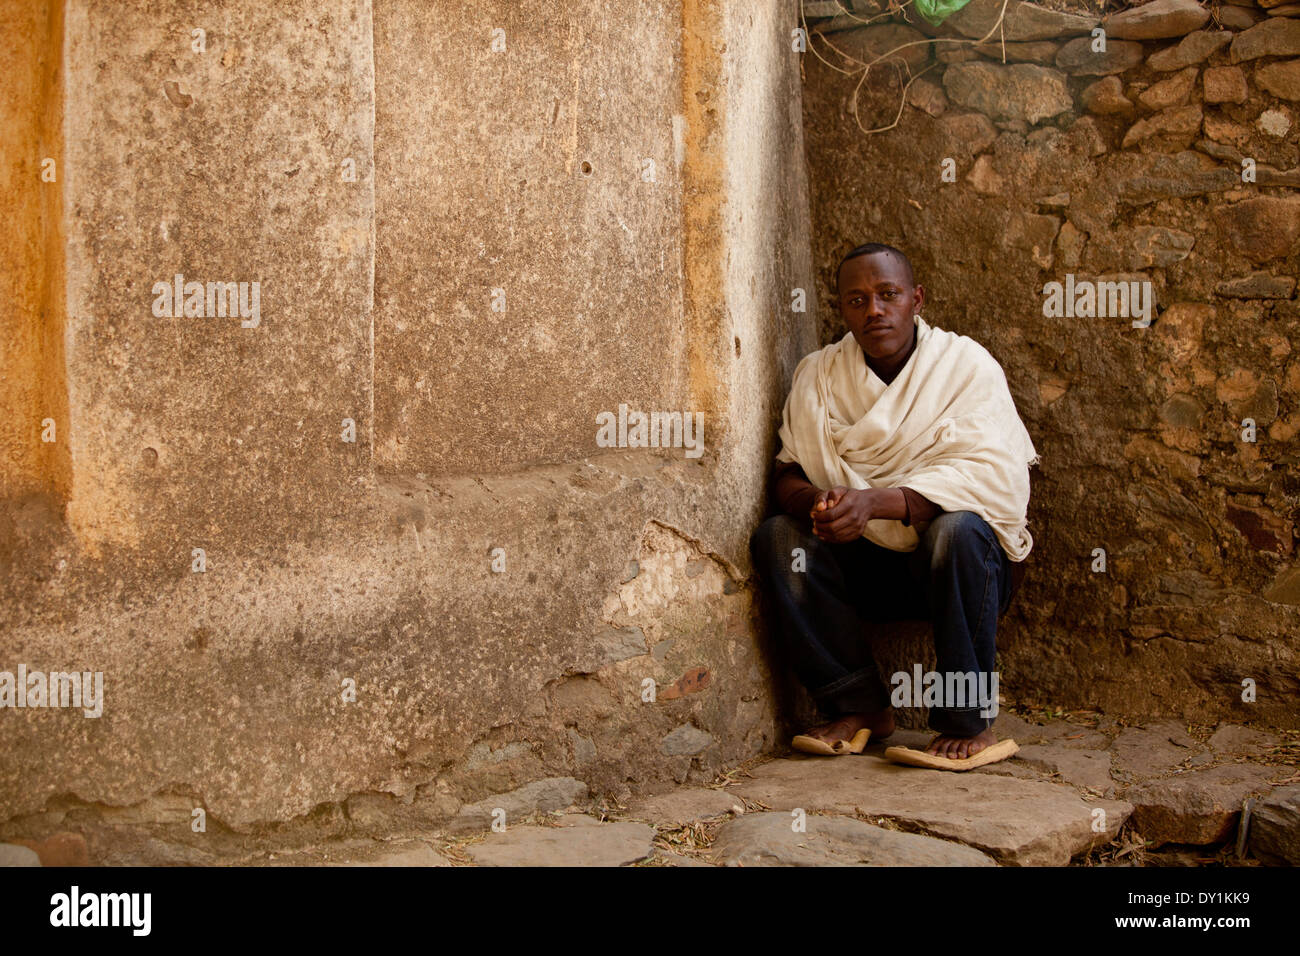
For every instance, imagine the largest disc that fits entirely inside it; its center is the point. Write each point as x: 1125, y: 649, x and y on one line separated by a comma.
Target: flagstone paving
x: 1021, y: 822
x: 575, y: 840
x: 772, y: 839
x: 1078, y: 791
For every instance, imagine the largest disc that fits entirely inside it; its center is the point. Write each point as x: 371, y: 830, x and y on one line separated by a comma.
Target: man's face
x: 877, y: 302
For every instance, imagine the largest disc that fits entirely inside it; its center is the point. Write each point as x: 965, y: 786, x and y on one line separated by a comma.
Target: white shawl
x: 945, y: 427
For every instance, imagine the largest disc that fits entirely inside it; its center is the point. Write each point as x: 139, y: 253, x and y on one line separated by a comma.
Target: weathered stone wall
x: 375, y: 562
x: 1064, y: 160
x: 486, y: 186
x: 381, y: 171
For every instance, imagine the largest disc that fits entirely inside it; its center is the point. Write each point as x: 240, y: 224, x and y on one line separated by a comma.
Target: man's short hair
x: 870, y: 248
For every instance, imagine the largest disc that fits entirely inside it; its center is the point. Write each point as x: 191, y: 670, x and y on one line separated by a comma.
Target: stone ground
x: 1083, y: 790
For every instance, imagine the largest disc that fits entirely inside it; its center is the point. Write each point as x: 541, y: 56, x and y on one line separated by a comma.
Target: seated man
x: 904, y: 478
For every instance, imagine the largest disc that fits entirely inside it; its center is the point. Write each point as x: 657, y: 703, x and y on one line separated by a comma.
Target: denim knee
x: 958, y: 533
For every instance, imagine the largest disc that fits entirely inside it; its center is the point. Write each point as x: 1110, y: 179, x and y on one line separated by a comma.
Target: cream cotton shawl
x: 946, y: 427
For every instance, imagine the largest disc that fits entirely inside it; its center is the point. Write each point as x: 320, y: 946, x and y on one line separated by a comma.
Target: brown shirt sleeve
x: 919, y: 507
x: 792, y: 489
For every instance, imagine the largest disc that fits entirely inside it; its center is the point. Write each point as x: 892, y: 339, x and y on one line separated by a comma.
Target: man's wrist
x: 886, y: 503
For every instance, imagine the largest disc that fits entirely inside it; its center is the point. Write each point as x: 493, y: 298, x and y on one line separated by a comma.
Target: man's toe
x: 828, y: 733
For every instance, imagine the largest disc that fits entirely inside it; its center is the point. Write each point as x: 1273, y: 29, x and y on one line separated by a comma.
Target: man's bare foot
x: 881, y: 725
x: 959, y: 748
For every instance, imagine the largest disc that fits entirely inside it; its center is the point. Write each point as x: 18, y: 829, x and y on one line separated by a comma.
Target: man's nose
x: 875, y: 307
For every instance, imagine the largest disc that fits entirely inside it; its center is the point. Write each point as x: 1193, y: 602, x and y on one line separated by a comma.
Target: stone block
x: 1257, y: 285
x: 1018, y: 822
x: 1157, y: 20
x: 1225, y: 84
x: 1178, y: 125
x: 677, y: 808
x: 1272, y: 37
x: 1171, y: 91
x: 1282, y: 79
x: 1022, y: 22
x: 1017, y: 92
x: 497, y: 197
x: 1079, y: 59
x: 1106, y: 97
x: 1198, y: 808
x: 196, y: 422
x: 540, y: 796
x: 1158, y: 746
x: 1191, y: 50
x: 575, y: 841
x: 1274, y: 827
x: 1260, y: 229
x: 767, y: 839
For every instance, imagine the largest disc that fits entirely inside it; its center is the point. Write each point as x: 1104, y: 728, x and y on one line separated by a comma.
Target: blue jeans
x: 959, y: 578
